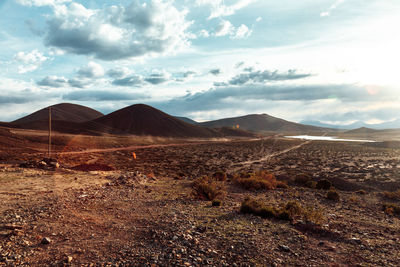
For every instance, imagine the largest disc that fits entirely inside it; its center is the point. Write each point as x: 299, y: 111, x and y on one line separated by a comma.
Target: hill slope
x: 141, y: 119
x: 61, y: 112
x: 188, y: 120
x: 262, y: 123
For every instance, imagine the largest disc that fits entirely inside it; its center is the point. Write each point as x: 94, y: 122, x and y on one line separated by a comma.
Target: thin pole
x: 49, y: 133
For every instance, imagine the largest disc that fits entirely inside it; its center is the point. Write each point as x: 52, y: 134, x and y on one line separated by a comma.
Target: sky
x: 334, y: 61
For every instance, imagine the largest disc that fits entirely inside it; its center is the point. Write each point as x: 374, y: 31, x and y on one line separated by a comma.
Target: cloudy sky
x: 330, y: 60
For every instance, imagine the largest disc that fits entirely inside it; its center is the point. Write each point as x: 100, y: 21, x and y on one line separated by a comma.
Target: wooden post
x: 49, y: 152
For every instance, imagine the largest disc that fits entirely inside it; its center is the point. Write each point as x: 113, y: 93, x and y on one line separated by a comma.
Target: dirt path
x: 113, y: 149
x: 269, y: 156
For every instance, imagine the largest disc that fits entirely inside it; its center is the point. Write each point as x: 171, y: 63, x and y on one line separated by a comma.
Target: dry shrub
x: 323, y: 184
x: 392, y: 195
x: 290, y: 211
x: 219, y: 176
x: 311, y: 184
x: 261, y: 180
x: 252, y: 206
x: 207, y: 188
x: 302, y: 178
x: 333, y: 195
x: 391, y: 209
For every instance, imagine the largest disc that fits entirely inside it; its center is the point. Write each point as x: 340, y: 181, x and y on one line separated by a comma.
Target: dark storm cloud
x: 224, y: 96
x: 264, y: 76
x: 117, y: 73
x: 132, y: 80
x: 6, y: 99
x: 53, y: 81
x: 77, y: 83
x: 156, y: 78
x: 98, y: 95
x: 58, y: 82
x: 215, y: 72
x: 118, y: 32
x: 188, y: 74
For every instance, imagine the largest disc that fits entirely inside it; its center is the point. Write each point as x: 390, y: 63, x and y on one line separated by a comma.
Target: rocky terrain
x: 142, y: 211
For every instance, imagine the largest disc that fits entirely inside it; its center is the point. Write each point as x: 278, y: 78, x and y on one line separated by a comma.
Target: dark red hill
x: 142, y: 119
x: 61, y: 112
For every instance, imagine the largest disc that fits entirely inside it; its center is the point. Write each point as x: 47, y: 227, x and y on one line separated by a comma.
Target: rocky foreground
x: 123, y: 218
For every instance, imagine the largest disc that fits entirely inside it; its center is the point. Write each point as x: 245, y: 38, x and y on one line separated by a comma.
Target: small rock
x: 284, y: 248
x: 46, y: 241
x: 68, y: 259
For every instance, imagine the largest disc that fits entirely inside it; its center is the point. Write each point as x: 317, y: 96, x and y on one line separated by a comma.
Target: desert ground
x: 102, y: 206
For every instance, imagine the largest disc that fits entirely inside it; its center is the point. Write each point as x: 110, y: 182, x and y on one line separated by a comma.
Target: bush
x: 392, y: 195
x: 311, y: 184
x: 257, y: 181
x: 391, y: 209
x: 216, y: 203
x: 333, y: 195
x: 302, y: 178
x: 219, y: 176
x: 207, y: 188
x: 290, y: 211
x: 323, y: 184
x: 252, y: 206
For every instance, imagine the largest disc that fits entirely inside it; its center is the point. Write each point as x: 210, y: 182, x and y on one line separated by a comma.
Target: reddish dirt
x: 143, y: 213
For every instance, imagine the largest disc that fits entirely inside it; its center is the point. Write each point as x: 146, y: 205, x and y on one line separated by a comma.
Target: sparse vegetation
x: 391, y: 209
x: 302, y: 178
x: 311, y: 184
x: 333, y: 195
x: 219, y: 176
x: 257, y: 181
x: 323, y: 184
x: 207, y: 188
x: 290, y: 211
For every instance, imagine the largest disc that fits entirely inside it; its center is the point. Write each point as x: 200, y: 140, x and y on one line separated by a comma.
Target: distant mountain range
x: 359, y: 124
x: 261, y: 123
x: 142, y: 119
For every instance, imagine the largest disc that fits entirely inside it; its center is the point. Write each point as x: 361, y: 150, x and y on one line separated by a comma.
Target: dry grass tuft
x: 290, y: 211
x: 207, y: 188
x: 391, y: 209
x: 261, y: 180
x: 323, y: 184
x: 333, y: 195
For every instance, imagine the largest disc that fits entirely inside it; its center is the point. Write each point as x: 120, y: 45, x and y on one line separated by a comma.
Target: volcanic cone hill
x: 142, y: 119
x: 263, y: 123
x: 61, y: 112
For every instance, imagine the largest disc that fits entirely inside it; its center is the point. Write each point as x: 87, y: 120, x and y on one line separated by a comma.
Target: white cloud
x: 91, y: 70
x: 41, y: 2
x: 29, y: 61
x: 242, y: 32
x: 118, y: 32
x: 220, y: 9
x: 204, y: 33
x: 332, y: 7
x: 225, y: 28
